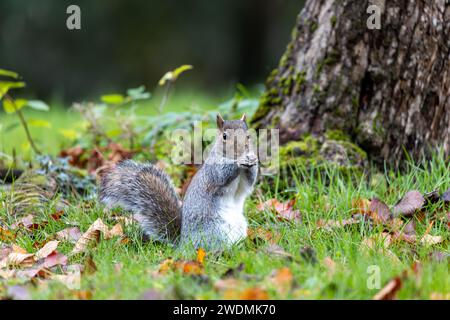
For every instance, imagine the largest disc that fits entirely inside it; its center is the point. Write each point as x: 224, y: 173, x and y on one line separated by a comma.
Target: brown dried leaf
x: 407, y: 206
x: 284, y: 210
x: 429, y: 240
x: 389, y: 291
x: 19, y: 259
x: 379, y: 211
x: 116, y: 231
x: 7, y: 274
x: 332, y: 224
x: 45, y: 251
x: 69, y: 234
x: 72, y: 279
x: 264, y: 234
x: 93, y: 233
x: 361, y: 206
x: 55, y: 259
x: 330, y: 265
x: 277, y: 251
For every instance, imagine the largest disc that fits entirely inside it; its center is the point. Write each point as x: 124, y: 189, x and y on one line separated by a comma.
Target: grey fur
x: 212, y: 213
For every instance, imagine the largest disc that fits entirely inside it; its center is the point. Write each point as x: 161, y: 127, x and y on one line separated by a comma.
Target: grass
x: 126, y: 271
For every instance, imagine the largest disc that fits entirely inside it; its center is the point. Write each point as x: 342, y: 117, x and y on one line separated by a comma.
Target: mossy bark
x: 387, y: 89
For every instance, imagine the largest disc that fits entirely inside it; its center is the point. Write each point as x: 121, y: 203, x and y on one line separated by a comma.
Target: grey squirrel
x: 211, y: 215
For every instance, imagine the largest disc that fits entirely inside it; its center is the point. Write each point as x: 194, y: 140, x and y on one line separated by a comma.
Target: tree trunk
x: 387, y: 89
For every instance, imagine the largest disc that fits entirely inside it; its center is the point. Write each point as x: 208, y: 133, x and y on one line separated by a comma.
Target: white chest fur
x: 234, y: 224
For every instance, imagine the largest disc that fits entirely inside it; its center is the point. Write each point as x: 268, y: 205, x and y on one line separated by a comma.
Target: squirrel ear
x: 244, y: 117
x: 220, y: 121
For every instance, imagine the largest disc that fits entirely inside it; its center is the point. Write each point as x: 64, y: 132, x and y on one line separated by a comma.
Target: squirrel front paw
x: 247, y: 161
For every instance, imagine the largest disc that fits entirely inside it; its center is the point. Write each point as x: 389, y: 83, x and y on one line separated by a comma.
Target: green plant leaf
x: 38, y: 105
x: 38, y: 123
x: 5, y: 86
x: 69, y: 134
x: 9, y: 107
x: 173, y: 75
x: 138, y: 93
x: 11, y: 127
x: 7, y: 73
x: 114, y: 133
x: 113, y: 98
x: 181, y: 69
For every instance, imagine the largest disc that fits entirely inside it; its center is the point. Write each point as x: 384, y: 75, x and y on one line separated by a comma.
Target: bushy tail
x: 147, y: 191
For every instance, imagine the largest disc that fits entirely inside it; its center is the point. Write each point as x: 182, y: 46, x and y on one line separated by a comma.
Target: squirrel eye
x: 224, y: 136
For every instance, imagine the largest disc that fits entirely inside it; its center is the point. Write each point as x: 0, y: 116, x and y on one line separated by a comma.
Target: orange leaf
x: 201, y: 253
x: 254, y: 294
x: 282, y: 279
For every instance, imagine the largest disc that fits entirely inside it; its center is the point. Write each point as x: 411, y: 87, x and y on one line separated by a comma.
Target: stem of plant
x: 160, y: 111
x: 24, y: 124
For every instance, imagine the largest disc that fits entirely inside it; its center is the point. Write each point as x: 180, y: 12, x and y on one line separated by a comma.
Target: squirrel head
x: 233, y: 139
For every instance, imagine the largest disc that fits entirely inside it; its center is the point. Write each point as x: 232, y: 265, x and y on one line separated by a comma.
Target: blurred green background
x: 124, y: 44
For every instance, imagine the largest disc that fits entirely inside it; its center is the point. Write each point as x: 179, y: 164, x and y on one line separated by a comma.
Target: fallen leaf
x: 410, y: 228
x: 7, y: 274
x: 69, y: 234
x: 263, y: 234
x: 6, y: 235
x: 4, y: 251
x: 282, y: 280
x: 201, y: 253
x: 89, y: 265
x: 407, y: 206
x: 330, y: 265
x: 430, y: 240
x: 439, y: 256
x: 379, y: 211
x: 332, y: 224
x: 277, y: 251
x: 254, y: 294
x: 72, y: 280
x: 93, y: 234
x: 18, y: 293
x: 189, y: 267
x: 46, y: 250
x: 389, y: 291
x: 83, y: 294
x: 285, y: 210
x: 33, y: 272
x: 361, y: 206
x: 26, y: 222
x: 446, y: 196
x: 18, y: 259
x: 55, y: 259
